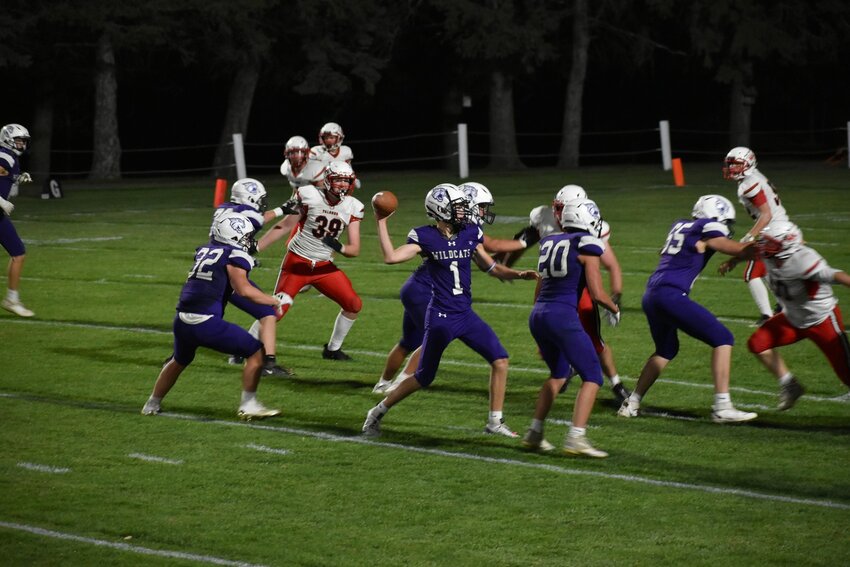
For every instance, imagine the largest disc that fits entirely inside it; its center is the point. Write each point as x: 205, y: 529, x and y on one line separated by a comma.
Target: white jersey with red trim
x: 320, y: 219
x: 313, y: 173
x: 754, y: 189
x: 543, y: 219
x: 321, y: 153
x: 803, y: 286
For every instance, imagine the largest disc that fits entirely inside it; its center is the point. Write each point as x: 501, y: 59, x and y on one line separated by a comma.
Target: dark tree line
x: 341, y: 52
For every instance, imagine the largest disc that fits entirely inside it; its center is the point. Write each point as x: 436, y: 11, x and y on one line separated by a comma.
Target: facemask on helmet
x: 480, y: 200
x: 447, y: 203
x: 339, y: 181
x: 739, y: 163
x: 15, y: 137
x: 331, y: 129
x: 296, y: 151
x: 566, y: 194
x: 779, y: 239
x: 235, y: 230
x: 715, y: 207
x: 249, y: 192
x: 582, y: 214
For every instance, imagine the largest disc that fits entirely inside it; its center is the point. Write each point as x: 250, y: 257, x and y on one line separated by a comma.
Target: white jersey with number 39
x: 320, y: 219
x: 803, y: 285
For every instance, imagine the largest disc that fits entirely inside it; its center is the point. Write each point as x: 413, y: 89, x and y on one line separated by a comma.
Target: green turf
x: 104, y: 269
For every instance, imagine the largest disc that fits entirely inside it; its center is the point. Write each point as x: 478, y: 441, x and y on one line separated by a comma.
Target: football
x: 384, y: 203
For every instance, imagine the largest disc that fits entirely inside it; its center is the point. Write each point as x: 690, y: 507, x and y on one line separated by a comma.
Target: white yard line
x: 126, y: 546
x: 155, y: 459
x: 43, y: 468
x: 265, y: 449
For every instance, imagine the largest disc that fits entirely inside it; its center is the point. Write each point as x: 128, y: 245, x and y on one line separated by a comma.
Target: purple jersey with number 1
x: 449, y: 315
x: 554, y: 320
x: 667, y: 304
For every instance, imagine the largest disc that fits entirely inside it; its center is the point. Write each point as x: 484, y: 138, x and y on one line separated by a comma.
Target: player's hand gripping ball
x: 384, y: 203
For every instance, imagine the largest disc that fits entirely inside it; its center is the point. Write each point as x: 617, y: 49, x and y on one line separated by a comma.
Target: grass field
x: 86, y: 480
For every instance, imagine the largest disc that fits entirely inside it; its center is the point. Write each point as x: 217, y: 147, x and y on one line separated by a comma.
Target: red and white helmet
x: 331, y: 129
x: 296, y: 150
x: 566, y: 194
x: 779, y: 239
x: 739, y: 162
x: 339, y: 180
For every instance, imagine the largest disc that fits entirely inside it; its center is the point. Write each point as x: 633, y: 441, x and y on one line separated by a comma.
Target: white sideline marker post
x: 239, y: 155
x: 462, y: 152
x: 666, y: 153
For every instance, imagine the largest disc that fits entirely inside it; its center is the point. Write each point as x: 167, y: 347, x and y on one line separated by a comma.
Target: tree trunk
x: 236, y: 119
x: 503, y: 148
x: 106, y: 161
x: 42, y: 135
x: 568, y: 156
x: 742, y: 97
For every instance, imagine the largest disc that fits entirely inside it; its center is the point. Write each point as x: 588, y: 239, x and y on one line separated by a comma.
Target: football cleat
x: 235, y: 360
x: 255, y: 410
x: 500, y: 429
x: 337, y: 354
x: 151, y: 408
x: 17, y: 308
x: 629, y: 408
x: 727, y: 413
x: 534, y: 441
x: 621, y: 393
x: 372, y: 425
x: 581, y: 446
x: 276, y: 370
x: 789, y: 394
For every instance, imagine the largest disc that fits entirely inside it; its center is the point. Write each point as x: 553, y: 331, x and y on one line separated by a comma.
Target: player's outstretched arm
x: 240, y: 284
x: 740, y: 250
x: 593, y: 277
x: 394, y: 255
x: 488, y: 265
x: 842, y: 278
x: 279, y: 230
x: 612, y: 266
x: 496, y: 245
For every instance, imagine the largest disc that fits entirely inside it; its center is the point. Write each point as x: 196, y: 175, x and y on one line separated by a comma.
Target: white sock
x: 380, y: 409
x: 723, y: 398
x: 786, y: 379
x: 576, y: 431
x: 248, y: 396
x: 154, y: 400
x: 537, y: 425
x: 341, y: 327
x: 254, y: 330
x: 495, y: 417
x: 615, y: 379
x: 635, y: 397
x: 12, y: 295
x: 759, y: 292
x: 402, y: 376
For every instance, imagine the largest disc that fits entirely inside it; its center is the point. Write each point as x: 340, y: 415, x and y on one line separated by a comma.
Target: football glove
x: 7, y: 206
x: 529, y: 235
x: 616, y: 297
x: 333, y: 243
x: 291, y: 207
x: 612, y: 318
x: 24, y: 178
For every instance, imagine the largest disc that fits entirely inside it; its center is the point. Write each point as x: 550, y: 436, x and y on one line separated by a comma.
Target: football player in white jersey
x: 323, y: 216
x: 762, y: 203
x: 802, y: 282
x: 330, y: 146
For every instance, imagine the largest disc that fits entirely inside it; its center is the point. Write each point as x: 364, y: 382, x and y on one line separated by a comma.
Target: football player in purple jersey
x: 249, y: 197
x: 449, y: 248
x: 13, y: 143
x: 221, y: 267
x: 569, y: 262
x: 689, y: 246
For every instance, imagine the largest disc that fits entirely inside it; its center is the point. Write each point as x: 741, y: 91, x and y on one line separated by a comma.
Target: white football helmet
x: 779, y: 239
x: 333, y: 129
x: 447, y: 203
x: 249, y: 192
x: 339, y: 181
x: 582, y: 214
x: 714, y: 207
x: 480, y: 200
x: 739, y: 162
x: 14, y: 137
x: 566, y: 194
x: 296, y: 150
x: 235, y: 230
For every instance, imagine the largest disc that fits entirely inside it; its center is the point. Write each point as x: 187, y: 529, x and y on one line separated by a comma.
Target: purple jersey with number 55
x: 561, y: 273
x: 448, y: 262
x: 681, y: 260
x: 207, y: 287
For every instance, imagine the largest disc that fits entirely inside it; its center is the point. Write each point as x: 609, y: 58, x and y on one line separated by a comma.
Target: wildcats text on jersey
x: 451, y: 254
